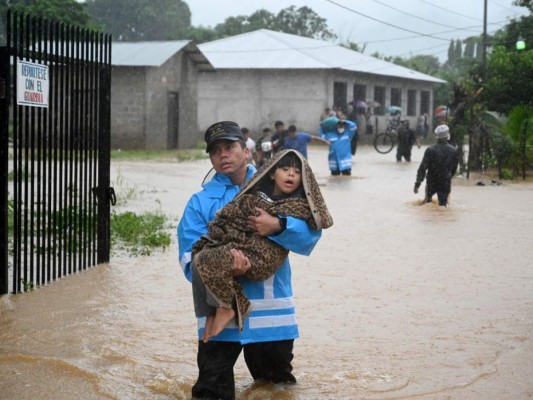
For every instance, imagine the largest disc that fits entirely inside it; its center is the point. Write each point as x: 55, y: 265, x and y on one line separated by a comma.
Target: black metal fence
x: 55, y: 85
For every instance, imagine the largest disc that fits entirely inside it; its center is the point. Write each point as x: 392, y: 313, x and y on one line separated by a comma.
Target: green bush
x: 138, y: 234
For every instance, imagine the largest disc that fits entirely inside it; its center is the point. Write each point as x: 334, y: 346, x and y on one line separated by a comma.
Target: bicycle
x: 384, y: 142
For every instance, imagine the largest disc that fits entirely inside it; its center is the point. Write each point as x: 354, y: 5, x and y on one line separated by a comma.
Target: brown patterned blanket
x: 230, y: 229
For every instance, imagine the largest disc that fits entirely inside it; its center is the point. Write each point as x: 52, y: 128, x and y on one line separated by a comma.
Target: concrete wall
x: 128, y: 107
x: 140, y: 104
x: 188, y: 121
x: 257, y: 98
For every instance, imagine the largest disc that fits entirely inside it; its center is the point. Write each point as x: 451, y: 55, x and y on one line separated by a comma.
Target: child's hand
x: 241, y: 263
x: 264, y: 223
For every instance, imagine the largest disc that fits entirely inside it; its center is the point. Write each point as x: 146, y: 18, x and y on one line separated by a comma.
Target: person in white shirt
x: 250, y: 144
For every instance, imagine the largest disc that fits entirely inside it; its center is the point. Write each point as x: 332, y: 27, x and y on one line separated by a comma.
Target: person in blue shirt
x: 339, y: 133
x: 268, y: 334
x: 298, y: 140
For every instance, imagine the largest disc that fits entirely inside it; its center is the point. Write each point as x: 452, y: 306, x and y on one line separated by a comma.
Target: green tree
x: 66, y: 11
x: 507, y: 36
x: 458, y: 50
x: 524, y: 3
x: 303, y: 22
x: 451, y: 53
x: 470, y: 44
x: 520, y: 129
x: 136, y: 20
x: 354, y: 46
x: 261, y: 19
x: 479, y: 50
x: 429, y: 65
x: 510, y: 80
x: 232, y: 26
x: 198, y: 34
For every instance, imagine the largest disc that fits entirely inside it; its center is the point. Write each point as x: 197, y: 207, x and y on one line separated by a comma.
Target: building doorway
x: 173, y: 120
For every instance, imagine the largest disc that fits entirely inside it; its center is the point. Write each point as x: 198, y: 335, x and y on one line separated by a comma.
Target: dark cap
x: 224, y: 130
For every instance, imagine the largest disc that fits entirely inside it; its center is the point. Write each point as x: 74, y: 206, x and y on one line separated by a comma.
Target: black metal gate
x: 55, y: 85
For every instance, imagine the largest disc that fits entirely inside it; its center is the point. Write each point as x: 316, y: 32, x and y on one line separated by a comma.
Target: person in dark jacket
x: 352, y: 116
x: 438, y: 166
x: 278, y: 138
x: 406, y: 139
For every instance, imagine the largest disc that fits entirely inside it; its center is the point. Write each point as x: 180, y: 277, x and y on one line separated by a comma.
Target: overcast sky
x: 390, y: 27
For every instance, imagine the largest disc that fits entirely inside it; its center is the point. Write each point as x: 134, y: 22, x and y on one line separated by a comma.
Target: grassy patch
x: 139, y: 234
x: 124, y: 190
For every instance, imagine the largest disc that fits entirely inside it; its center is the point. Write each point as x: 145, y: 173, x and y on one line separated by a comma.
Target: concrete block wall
x: 257, y: 98
x: 127, y: 107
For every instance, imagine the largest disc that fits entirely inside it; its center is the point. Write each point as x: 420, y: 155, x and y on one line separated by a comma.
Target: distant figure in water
x: 438, y: 167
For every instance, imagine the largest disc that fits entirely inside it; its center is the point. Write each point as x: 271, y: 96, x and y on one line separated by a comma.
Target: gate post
x: 106, y: 198
x: 4, y: 167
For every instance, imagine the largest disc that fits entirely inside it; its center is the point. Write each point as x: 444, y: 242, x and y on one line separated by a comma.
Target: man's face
x: 280, y: 128
x: 292, y: 134
x: 228, y: 157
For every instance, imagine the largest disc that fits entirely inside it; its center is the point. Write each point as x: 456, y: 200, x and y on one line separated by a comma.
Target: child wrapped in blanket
x: 284, y: 186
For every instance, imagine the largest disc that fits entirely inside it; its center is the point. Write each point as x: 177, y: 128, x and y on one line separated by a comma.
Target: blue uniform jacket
x: 273, y: 315
x: 340, y: 150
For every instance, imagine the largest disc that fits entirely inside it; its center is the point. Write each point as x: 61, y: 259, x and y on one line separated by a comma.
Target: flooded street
x: 398, y: 301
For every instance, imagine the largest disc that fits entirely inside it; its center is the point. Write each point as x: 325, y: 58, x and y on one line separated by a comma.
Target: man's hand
x: 241, y: 263
x: 264, y: 223
x: 416, y: 189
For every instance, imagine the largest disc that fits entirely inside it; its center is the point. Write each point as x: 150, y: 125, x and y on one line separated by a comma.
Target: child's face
x: 286, y: 180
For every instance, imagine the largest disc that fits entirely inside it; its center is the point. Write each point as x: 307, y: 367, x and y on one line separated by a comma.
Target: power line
x: 416, y: 16
x: 429, y: 48
x: 384, y: 22
x: 451, y: 11
x: 435, y: 33
x: 419, y: 51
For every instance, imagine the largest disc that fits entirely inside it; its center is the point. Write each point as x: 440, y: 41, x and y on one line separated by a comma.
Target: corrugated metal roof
x: 265, y: 49
x: 156, y: 53
x: 145, y: 54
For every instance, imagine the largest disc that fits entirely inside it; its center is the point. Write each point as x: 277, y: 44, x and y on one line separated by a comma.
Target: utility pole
x: 484, y: 55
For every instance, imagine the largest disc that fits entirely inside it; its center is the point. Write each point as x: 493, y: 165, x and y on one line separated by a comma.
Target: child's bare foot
x: 222, y: 317
x: 207, y: 328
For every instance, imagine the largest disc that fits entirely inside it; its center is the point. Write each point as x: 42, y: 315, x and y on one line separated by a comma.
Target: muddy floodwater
x: 398, y: 301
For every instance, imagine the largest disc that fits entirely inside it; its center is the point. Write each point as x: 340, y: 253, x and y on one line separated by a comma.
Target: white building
x: 264, y: 76
x: 165, y: 94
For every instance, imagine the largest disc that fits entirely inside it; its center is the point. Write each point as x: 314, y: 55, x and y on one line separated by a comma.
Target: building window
x: 379, y: 97
x: 411, y: 102
x: 424, y: 102
x: 396, y: 97
x: 340, y: 92
x: 359, y: 92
